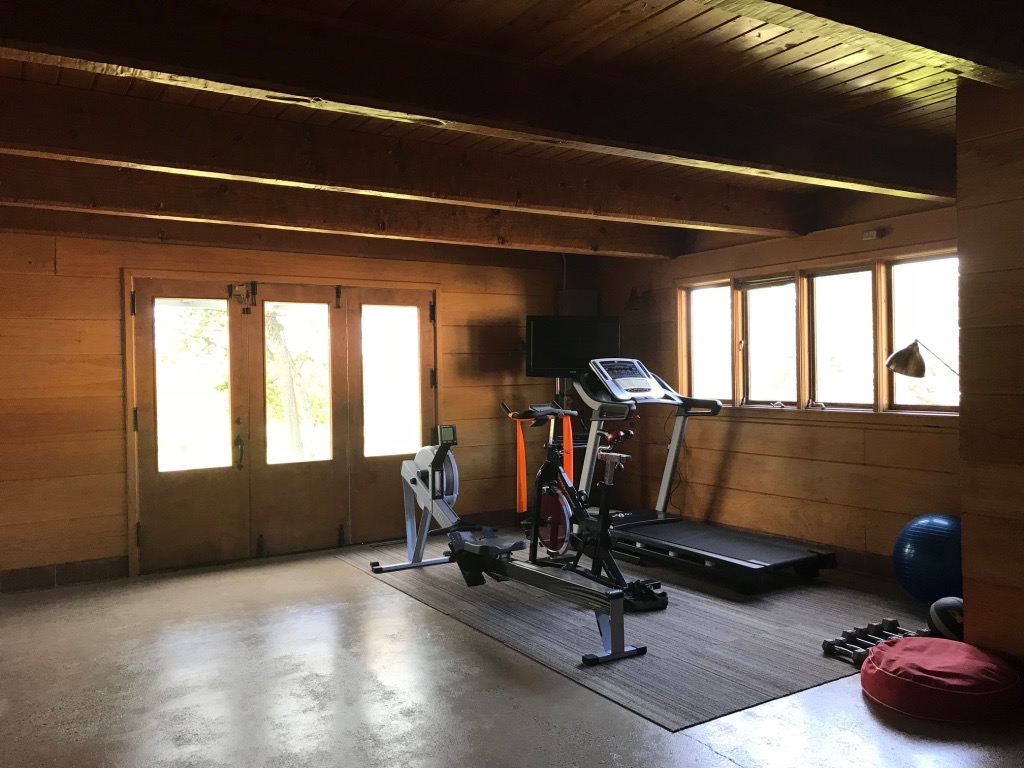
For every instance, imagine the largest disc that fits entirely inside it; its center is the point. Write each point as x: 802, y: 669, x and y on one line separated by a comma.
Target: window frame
x: 812, y: 399
x: 891, y: 403
x: 743, y: 286
x: 686, y: 361
x: 882, y: 330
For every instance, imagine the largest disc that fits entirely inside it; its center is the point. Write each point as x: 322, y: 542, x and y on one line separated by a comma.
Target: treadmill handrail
x: 691, y: 406
x: 695, y: 406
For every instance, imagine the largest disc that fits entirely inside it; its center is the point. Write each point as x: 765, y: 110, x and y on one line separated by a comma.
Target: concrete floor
x: 308, y: 662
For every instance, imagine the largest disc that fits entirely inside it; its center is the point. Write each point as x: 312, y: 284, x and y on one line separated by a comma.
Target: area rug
x: 712, y: 652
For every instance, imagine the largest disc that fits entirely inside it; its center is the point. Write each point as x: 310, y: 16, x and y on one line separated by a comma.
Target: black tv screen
x: 564, y: 345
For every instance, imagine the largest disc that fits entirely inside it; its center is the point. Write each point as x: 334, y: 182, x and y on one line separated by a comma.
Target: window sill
x: 945, y: 420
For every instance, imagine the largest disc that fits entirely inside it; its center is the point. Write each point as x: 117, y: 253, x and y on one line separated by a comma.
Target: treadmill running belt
x: 750, y: 557
x: 735, y: 545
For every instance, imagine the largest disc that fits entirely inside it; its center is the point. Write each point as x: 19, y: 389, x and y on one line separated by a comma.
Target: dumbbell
x: 876, y: 629
x: 853, y: 639
x: 892, y: 625
x: 867, y: 633
x: 838, y: 648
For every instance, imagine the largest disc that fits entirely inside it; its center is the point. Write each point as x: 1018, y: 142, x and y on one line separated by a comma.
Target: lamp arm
x: 937, y: 357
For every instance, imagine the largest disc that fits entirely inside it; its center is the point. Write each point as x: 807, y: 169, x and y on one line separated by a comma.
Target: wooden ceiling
x: 616, y: 127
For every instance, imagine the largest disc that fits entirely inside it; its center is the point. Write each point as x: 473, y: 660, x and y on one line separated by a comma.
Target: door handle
x: 239, y: 443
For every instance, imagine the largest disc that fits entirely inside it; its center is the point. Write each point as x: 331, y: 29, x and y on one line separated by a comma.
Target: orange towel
x: 567, y: 462
x: 567, y: 448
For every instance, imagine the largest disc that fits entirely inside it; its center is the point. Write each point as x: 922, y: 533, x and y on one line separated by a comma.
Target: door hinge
x: 433, y: 378
x: 244, y: 294
x: 132, y: 303
x: 135, y: 419
x: 433, y: 312
x: 138, y: 534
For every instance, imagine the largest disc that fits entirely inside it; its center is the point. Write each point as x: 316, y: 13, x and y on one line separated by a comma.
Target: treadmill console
x: 627, y: 379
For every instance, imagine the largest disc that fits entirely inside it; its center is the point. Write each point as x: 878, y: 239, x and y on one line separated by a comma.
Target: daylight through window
x: 819, y: 339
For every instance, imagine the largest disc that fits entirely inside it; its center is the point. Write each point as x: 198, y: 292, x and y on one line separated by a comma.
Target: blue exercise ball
x: 926, y: 558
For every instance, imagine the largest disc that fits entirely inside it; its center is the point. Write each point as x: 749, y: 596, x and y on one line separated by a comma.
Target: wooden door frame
x: 271, y: 484
x: 129, y: 276
x: 427, y: 347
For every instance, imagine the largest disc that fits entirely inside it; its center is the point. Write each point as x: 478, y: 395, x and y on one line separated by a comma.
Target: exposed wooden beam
x: 84, y: 126
x: 978, y: 40
x: 255, y: 240
x: 360, y: 72
x: 97, y: 189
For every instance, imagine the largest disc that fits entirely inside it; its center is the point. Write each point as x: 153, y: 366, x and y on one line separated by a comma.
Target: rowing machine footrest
x: 641, y: 596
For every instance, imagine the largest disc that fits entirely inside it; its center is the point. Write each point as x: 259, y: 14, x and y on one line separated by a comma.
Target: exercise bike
x: 561, y: 522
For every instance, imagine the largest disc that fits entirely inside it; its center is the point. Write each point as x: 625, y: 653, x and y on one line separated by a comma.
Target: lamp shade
x: 907, y: 361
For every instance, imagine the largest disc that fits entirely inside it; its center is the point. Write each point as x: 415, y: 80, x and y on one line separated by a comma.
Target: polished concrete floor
x: 308, y: 662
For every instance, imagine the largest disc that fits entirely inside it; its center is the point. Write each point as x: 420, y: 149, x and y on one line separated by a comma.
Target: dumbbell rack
x: 854, y: 644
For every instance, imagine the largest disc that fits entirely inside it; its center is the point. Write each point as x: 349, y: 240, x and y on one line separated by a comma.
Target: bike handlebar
x: 540, y: 413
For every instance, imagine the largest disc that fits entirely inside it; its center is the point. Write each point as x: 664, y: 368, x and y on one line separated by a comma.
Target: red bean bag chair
x: 940, y: 679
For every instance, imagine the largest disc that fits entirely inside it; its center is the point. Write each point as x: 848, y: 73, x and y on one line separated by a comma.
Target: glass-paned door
x: 274, y: 418
x: 393, y: 405
x: 241, y: 392
x: 297, y: 343
x: 192, y: 397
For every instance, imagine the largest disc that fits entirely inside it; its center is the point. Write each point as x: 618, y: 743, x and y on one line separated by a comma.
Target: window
x: 842, y: 339
x: 710, y: 331
x: 922, y: 294
x: 819, y: 339
x: 193, y: 384
x: 769, y: 343
x: 297, y: 350
x: 392, y: 412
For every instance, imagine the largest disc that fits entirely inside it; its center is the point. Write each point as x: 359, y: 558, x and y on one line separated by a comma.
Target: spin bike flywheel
x: 555, y: 521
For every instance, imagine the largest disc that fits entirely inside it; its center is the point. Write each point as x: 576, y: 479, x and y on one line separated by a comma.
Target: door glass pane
x: 844, y: 346
x: 711, y: 343
x: 925, y: 306
x: 771, y: 343
x: 193, y: 383
x: 391, y: 380
x: 297, y: 341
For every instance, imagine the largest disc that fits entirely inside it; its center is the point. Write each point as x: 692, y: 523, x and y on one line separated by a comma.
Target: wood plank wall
x: 62, y: 390
x: 847, y: 480
x: 990, y: 208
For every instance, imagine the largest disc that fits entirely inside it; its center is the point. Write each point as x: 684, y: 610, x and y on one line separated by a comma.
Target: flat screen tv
x: 563, y: 345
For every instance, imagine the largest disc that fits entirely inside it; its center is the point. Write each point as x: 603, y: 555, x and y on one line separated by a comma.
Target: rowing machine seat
x: 495, y: 546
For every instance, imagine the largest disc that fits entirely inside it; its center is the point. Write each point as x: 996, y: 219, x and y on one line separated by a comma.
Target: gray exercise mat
x: 710, y: 653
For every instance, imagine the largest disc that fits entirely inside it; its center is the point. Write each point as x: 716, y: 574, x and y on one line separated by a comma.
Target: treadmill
x: 750, y: 562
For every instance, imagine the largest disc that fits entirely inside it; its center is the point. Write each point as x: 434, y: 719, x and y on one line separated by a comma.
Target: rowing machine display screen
x: 446, y: 435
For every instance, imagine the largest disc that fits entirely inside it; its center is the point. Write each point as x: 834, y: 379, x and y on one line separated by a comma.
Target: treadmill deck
x: 748, y: 558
